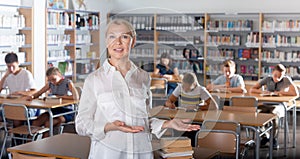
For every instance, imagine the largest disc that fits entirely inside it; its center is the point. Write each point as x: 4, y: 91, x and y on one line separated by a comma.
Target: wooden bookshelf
x: 249, y: 39
x: 16, y: 30
x: 73, y: 42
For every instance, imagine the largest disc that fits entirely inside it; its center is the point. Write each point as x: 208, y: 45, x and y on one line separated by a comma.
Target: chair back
x: 239, y: 109
x: 221, y: 125
x: 159, y: 87
x: 15, y: 112
x: 16, y: 155
x: 244, y: 101
x: 224, y: 141
x: 79, y: 90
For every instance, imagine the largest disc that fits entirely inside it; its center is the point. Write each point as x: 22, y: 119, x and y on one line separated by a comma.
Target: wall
x: 193, y: 6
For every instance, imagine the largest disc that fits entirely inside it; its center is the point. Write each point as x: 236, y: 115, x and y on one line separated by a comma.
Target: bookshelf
x: 73, y: 42
x: 280, y: 42
x: 234, y: 37
x: 255, y: 41
x: 16, y: 35
x: 172, y: 33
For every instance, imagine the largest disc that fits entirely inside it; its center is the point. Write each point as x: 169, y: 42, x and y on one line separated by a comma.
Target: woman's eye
x: 125, y: 36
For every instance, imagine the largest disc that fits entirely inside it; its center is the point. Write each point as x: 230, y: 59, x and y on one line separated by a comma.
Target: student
x: 189, y: 89
x: 167, y: 69
x: 115, y: 103
x: 229, y: 81
x: 279, y: 84
x: 60, y: 87
x: 18, y: 81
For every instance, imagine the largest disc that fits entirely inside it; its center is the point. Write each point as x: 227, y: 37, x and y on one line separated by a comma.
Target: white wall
x: 206, y: 6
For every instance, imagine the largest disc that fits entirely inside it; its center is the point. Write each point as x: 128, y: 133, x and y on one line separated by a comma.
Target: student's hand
x: 180, y: 125
x: 121, y: 126
x: 29, y: 98
x: 170, y: 105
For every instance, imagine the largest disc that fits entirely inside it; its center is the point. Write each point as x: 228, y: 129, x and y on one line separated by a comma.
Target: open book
x: 269, y: 94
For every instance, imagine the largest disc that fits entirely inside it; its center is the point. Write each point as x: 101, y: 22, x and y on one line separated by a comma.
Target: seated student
x: 18, y: 81
x: 280, y: 84
x: 167, y: 69
x: 192, y: 93
x: 229, y: 81
x: 60, y: 87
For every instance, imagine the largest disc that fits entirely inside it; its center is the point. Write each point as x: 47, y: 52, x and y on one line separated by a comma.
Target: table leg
x: 271, y: 140
x: 294, y: 125
x: 50, y: 122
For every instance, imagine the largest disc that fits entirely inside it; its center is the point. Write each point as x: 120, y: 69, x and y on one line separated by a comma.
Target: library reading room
x: 149, y: 79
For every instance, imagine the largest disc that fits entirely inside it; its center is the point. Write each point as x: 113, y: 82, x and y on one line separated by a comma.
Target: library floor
x: 292, y: 153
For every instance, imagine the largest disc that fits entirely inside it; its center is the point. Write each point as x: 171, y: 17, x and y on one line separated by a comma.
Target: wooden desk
x: 41, y: 104
x: 250, y: 120
x: 174, y: 79
x: 65, y: 146
x: 281, y: 101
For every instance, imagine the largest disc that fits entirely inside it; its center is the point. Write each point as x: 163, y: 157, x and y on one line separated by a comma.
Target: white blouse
x: 108, y: 96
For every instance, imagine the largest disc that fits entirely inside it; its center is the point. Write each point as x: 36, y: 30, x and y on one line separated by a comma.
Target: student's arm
x: 3, y: 79
x: 26, y: 93
x: 40, y: 92
x: 292, y: 91
x: 239, y: 89
x: 256, y: 88
x: 171, y: 101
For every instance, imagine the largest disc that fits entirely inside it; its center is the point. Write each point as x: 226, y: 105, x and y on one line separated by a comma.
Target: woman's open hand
x: 121, y: 126
x: 180, y: 125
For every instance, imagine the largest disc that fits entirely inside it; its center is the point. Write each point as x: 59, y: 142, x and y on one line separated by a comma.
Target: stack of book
x: 176, y: 148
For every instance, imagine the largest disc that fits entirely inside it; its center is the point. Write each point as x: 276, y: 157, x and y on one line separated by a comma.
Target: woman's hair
x: 166, y: 56
x: 121, y: 22
x: 183, y: 52
x: 52, y: 71
x: 280, y: 68
x: 190, y: 78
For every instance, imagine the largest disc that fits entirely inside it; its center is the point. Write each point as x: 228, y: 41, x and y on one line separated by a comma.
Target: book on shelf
x: 168, y: 142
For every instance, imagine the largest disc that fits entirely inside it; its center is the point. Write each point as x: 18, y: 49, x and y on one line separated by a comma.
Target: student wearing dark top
x: 167, y: 69
x: 60, y: 87
x: 279, y: 84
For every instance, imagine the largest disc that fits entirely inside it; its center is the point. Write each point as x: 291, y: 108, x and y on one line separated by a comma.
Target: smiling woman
x: 115, y: 103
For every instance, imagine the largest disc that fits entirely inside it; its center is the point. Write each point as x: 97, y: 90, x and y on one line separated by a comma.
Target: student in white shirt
x: 115, y: 103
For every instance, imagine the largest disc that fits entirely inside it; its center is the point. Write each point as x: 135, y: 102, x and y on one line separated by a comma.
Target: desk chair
x: 224, y: 141
x: 16, y: 155
x: 244, y: 101
x: 26, y: 132
x: 71, y: 123
x: 159, y: 89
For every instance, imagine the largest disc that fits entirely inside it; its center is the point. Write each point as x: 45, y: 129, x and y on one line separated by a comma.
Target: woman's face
x: 119, y: 41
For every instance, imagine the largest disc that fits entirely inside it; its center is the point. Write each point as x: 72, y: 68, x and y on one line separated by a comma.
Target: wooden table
x: 248, y: 119
x: 277, y: 100
x: 41, y: 104
x: 174, y: 79
x: 64, y: 146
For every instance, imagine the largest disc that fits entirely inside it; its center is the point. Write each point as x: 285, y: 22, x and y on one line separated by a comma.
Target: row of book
x: 62, y: 39
x: 230, y: 25
x: 71, y: 20
x: 139, y: 22
x: 292, y: 71
x: 180, y: 22
x: 58, y: 55
x: 12, y: 40
x: 281, y: 25
x: 280, y: 56
x: 174, y: 53
x: 12, y: 20
x: 175, y: 148
x: 230, y: 40
x: 280, y: 41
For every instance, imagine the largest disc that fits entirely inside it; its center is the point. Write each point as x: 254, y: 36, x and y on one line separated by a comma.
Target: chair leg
x: 3, y: 144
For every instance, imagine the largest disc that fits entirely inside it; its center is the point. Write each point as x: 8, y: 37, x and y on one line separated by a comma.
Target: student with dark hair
x: 279, y: 84
x: 229, y: 81
x: 18, y: 81
x: 166, y: 69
